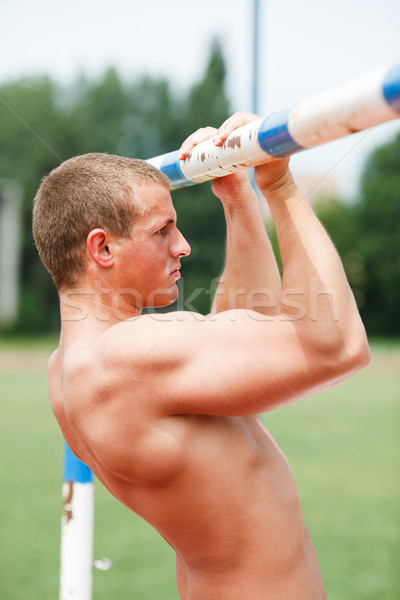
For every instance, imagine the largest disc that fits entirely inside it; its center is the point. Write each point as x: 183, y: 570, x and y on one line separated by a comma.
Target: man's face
x: 150, y: 260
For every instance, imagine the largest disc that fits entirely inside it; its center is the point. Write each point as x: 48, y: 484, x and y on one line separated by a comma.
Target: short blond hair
x: 86, y: 192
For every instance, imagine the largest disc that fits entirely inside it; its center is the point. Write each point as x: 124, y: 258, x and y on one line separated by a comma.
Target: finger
x: 205, y: 133
x: 235, y: 121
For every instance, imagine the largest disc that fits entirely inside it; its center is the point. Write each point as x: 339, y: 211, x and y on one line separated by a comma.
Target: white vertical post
x: 10, y: 249
x: 77, y: 524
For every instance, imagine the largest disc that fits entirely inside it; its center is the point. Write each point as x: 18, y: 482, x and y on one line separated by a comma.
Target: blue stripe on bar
x: 391, y: 87
x: 274, y: 137
x: 75, y: 469
x: 171, y: 168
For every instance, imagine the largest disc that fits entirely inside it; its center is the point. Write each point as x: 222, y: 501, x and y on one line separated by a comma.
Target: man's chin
x: 163, y: 298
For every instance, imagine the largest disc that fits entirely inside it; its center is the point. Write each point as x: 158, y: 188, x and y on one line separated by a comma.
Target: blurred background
x: 136, y: 78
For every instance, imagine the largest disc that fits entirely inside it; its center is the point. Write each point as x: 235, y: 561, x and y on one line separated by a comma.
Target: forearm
x: 251, y: 277
x: 314, y: 284
x: 316, y: 333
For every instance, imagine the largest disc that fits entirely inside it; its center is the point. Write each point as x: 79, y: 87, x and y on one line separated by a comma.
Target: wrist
x: 244, y: 207
x: 234, y: 191
x: 283, y: 188
x: 240, y: 200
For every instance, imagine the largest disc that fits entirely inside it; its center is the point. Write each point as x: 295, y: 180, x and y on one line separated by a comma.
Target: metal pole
x: 77, y: 525
x: 256, y: 68
x: 256, y: 53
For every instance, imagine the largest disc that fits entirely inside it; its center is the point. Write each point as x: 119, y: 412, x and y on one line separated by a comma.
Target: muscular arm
x: 250, y: 278
x: 242, y: 362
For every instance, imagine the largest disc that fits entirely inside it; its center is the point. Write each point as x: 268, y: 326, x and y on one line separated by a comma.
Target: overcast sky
x: 307, y: 47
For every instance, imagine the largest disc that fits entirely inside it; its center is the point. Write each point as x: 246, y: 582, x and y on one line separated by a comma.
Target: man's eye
x: 162, y: 231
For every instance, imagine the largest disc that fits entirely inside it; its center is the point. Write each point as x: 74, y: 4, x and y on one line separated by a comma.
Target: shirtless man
x: 163, y: 408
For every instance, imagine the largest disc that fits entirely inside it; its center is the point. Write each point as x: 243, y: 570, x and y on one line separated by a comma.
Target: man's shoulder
x: 140, y: 334
x: 142, y: 351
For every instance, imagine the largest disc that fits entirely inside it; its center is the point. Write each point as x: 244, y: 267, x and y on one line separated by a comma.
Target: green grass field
x: 343, y: 447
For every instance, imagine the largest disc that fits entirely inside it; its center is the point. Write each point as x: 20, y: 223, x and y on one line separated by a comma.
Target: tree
x: 377, y: 240
x: 42, y: 124
x: 367, y: 236
x: 200, y: 214
x: 31, y: 128
x: 207, y: 103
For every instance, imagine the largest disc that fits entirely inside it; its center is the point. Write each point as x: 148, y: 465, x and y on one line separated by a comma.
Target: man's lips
x: 176, y: 270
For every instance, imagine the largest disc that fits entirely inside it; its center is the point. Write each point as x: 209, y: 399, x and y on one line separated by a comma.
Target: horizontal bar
x: 360, y: 104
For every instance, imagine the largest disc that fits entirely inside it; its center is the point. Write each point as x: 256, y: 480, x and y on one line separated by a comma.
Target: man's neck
x: 92, y: 310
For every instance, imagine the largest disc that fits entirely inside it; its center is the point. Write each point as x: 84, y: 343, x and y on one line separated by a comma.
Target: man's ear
x: 98, y: 243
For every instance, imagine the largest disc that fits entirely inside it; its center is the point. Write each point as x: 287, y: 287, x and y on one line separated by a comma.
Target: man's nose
x: 180, y: 246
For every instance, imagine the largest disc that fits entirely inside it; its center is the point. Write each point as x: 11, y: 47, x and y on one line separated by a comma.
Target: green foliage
x: 31, y: 127
x: 43, y: 124
x: 207, y: 101
x: 378, y: 217
x: 367, y: 235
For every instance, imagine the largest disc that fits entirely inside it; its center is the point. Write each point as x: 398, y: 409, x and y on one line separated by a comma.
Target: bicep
x: 239, y: 363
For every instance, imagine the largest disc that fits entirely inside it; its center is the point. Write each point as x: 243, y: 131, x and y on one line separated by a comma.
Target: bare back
x: 217, y: 488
